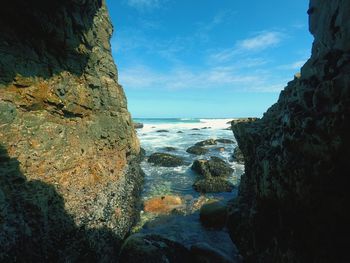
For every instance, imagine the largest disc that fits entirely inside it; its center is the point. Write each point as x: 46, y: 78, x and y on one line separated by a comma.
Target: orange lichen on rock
x: 162, y: 204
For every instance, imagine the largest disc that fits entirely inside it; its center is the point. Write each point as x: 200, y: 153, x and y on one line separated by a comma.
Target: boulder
x: 165, y: 159
x: 224, y: 141
x: 215, y: 167
x: 138, y: 125
x: 197, y: 150
x: 162, y: 204
x: 213, y: 214
x: 213, y: 185
x: 206, y: 142
x: 151, y: 248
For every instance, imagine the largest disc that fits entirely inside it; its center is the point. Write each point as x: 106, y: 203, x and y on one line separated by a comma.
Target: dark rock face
x: 238, y: 155
x: 227, y: 141
x: 64, y: 119
x: 204, y: 253
x: 293, y: 198
x: 165, y: 159
x: 197, y: 150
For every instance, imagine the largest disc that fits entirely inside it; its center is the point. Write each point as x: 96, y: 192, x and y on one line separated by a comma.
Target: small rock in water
x: 162, y: 131
x: 214, y: 167
x: 138, y: 125
x: 220, y: 149
x: 206, y: 142
x: 197, y: 150
x: 195, y: 129
x: 180, y: 132
x: 165, y: 159
x: 162, y: 204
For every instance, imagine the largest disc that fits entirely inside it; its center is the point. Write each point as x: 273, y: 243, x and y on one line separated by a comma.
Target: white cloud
x: 257, y: 43
x: 261, y: 41
x: 293, y: 66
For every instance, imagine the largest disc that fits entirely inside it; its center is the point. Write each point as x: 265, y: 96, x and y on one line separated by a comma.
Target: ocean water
x: 179, y: 180
x: 159, y: 181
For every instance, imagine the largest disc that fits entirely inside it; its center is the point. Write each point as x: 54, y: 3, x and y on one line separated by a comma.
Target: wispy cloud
x: 229, y: 78
x: 257, y: 43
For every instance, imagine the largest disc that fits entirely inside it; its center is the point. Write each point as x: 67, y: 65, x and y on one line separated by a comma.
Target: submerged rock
x: 214, y: 167
x: 165, y: 159
x: 162, y: 131
x: 162, y: 204
x: 170, y: 149
x: 197, y: 150
x: 213, y: 185
x: 152, y: 248
x: 206, y: 142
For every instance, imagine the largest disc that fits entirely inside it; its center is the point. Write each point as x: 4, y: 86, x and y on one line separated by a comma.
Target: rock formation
x: 66, y: 134
x: 293, y: 198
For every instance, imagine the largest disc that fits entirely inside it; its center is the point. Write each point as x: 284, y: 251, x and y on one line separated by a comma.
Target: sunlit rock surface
x: 69, y: 184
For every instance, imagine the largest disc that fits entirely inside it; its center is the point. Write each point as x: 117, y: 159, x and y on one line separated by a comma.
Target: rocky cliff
x: 68, y: 177
x: 293, y: 198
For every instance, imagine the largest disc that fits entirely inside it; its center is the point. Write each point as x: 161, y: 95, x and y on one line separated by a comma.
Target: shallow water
x: 160, y: 181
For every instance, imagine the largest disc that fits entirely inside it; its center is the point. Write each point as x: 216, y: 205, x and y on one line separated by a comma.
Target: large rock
x: 226, y: 141
x: 143, y: 248
x: 214, y: 167
x: 294, y: 196
x: 165, y: 159
x: 197, y: 150
x: 67, y: 131
x: 213, y: 185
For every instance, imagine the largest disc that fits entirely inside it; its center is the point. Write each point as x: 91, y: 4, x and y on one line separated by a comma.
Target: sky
x: 207, y: 58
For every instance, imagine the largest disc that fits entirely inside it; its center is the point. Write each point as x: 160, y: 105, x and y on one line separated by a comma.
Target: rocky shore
x: 294, y: 193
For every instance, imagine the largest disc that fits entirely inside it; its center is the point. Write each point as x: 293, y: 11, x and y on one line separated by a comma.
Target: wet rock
x: 195, y: 129
x: 165, y: 159
x: 214, y: 167
x: 151, y: 248
x: 213, y: 214
x: 213, y: 185
x: 202, y: 252
x: 162, y: 204
x: 227, y: 141
x: 206, y: 142
x: 205, y: 128
x: 162, y: 131
x: 197, y: 150
x: 138, y: 125
x: 238, y: 155
x: 180, y: 132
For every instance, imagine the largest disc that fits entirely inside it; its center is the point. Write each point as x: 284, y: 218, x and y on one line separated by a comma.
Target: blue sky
x: 207, y: 58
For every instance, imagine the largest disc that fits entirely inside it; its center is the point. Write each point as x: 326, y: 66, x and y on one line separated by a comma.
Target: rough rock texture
x: 294, y: 196
x: 165, y: 159
x: 67, y: 136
